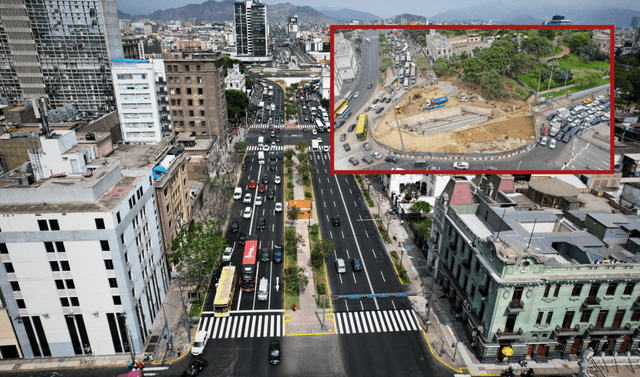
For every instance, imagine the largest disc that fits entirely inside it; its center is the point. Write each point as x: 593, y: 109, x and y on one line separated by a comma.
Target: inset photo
x: 481, y: 98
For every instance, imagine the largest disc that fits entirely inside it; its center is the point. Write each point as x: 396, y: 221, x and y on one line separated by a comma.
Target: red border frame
x: 611, y: 29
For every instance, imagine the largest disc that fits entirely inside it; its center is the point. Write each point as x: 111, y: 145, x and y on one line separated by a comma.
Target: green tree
x: 227, y: 63
x: 577, y: 40
x: 237, y: 103
x: 522, y: 63
x: 550, y: 34
x: 288, y: 153
x: 249, y: 83
x: 492, y: 81
x: 440, y: 67
x: 424, y: 228
x: 421, y: 207
x: 464, y: 55
x: 240, y: 145
x: 473, y: 68
x: 320, y: 250
x: 294, y: 212
x: 294, y: 278
x: 410, y: 190
x: 302, y: 146
x: 500, y: 56
x: 537, y: 46
x: 196, y: 251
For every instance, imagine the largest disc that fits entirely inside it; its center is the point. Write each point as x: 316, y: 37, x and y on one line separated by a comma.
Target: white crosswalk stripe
x: 376, y: 321
x: 282, y: 127
x: 255, y: 148
x: 243, y: 326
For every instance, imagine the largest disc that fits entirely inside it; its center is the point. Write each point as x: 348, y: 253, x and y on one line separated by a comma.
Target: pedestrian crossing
x: 282, y: 127
x: 243, y: 326
x: 376, y: 321
x: 255, y: 148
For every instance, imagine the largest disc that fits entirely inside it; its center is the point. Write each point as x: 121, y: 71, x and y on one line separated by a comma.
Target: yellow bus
x: 339, y: 106
x: 361, y: 131
x: 224, y: 293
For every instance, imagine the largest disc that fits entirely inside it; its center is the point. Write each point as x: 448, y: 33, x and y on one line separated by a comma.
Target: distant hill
x: 347, y: 15
x: 123, y: 15
x: 408, y: 17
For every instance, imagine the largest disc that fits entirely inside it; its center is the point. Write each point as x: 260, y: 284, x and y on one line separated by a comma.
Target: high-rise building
x: 252, y: 32
x: 634, y: 21
x: 195, y: 82
x: 83, y: 268
x: 60, y: 50
x: 141, y: 95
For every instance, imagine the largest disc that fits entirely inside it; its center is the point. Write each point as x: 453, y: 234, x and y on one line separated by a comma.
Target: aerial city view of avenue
x: 182, y: 189
x: 472, y: 99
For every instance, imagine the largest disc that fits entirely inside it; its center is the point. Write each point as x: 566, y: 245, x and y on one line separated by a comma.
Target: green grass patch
x: 288, y: 186
x: 383, y: 232
x: 404, y: 277
x: 319, y: 277
x: 290, y: 260
x: 196, y: 306
x: 572, y: 61
x: 556, y: 51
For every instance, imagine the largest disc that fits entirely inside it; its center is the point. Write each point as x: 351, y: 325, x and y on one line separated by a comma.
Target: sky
x: 382, y: 8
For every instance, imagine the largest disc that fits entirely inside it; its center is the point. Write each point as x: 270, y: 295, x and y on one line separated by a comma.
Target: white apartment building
x: 430, y: 185
x: 83, y: 266
x: 345, y: 66
x: 235, y: 79
x: 137, y: 99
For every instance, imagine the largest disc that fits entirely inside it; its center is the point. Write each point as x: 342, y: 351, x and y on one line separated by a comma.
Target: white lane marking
x: 364, y: 322
x: 374, y: 255
x: 358, y: 322
x: 240, y: 327
x: 393, y: 322
x: 411, y: 315
x: 405, y: 319
x: 272, y: 325
x: 375, y: 321
x: 383, y: 279
x: 347, y: 329
x: 397, y: 315
x: 226, y: 333
x: 339, y: 323
x: 354, y: 277
x: 367, y: 233
x: 256, y: 327
x: 351, y: 321
x: 266, y: 329
x: 382, y: 321
x: 247, y: 327
x: 233, y: 328
x: 215, y: 330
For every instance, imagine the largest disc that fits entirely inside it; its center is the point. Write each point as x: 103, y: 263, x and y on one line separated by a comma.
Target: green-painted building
x: 546, y: 283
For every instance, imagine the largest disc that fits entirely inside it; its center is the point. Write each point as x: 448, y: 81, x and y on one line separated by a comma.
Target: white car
x: 277, y: 180
x: 462, y: 165
x: 227, y: 254
x: 552, y: 144
x: 376, y: 154
x: 325, y: 148
x: 237, y: 193
x: 591, y: 117
x: 247, y: 198
x: 201, y: 341
x: 356, y: 94
x: 278, y: 207
x: 374, y: 107
x: 605, y: 116
x: 247, y: 213
x: 258, y: 200
x: 314, y: 132
x: 544, y: 141
x: 265, y: 148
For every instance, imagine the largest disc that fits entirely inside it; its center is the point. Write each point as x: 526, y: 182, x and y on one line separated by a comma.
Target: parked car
x: 346, y: 146
x: 354, y: 161
x: 351, y: 128
x: 391, y: 159
x: 367, y: 159
x: 552, y: 144
x: 461, y: 165
x: 377, y: 155
x: 343, y: 137
x: 544, y: 140
x: 366, y: 146
x: 379, y: 110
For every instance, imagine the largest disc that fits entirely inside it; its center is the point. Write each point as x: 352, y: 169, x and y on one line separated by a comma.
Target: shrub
x: 307, y: 194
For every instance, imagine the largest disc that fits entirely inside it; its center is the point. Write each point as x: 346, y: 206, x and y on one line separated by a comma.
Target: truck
x: 439, y: 100
x: 273, y: 107
x: 315, y: 144
x: 406, y: 84
x: 577, y: 109
x: 401, y: 74
x: 555, y: 128
x: 408, y: 54
x: 261, y: 104
x: 413, y: 73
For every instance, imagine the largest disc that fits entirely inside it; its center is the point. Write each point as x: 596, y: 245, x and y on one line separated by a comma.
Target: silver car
x: 367, y: 146
x: 341, y: 266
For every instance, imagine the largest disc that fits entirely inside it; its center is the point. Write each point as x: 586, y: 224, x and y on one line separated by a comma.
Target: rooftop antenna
x: 501, y: 221
x: 532, y: 230
x: 40, y: 109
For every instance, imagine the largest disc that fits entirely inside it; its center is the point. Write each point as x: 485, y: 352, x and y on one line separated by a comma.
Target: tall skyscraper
x: 60, y: 50
x: 634, y: 21
x: 252, y: 31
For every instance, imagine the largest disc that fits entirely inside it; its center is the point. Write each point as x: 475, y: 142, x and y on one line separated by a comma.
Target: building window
x: 188, y: 80
x: 200, y: 91
x: 585, y: 316
x: 60, y: 247
x: 3, y: 248
x: 549, y: 316
x: 201, y: 102
x: 113, y: 283
x: 118, y: 217
x: 203, y: 123
x: 53, y: 224
x: 192, y: 124
x: 635, y: 316
x: 577, y: 289
x: 175, y: 68
x: 190, y: 102
x: 201, y: 113
x: 198, y: 68
x: 65, y: 265
x: 105, y: 245
x: 117, y: 300
x: 188, y: 90
x: 59, y: 284
x: 170, y: 78
x: 190, y: 113
x: 74, y: 301
x: 199, y: 80
x: 547, y: 288
x: 64, y: 301
x: 15, y: 286
x: 628, y: 289
x: 611, y: 289
x: 539, y: 319
x: 21, y: 304
x: 70, y: 284
x: 169, y: 68
x: 108, y: 264
x: 186, y: 68
x: 177, y: 90
x: 42, y: 224
x: 9, y: 267
x: 177, y: 80
x: 49, y: 247
x: 54, y: 266
x: 555, y: 293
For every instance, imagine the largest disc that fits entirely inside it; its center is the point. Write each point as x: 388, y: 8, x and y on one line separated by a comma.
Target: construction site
x: 442, y: 118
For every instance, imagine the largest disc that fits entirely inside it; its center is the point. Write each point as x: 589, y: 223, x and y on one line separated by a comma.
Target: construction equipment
x: 398, y: 110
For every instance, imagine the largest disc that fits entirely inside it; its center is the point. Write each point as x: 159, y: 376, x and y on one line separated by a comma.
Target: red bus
x: 248, y: 273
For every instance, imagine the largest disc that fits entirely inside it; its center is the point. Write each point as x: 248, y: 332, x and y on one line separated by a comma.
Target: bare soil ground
x: 509, y: 126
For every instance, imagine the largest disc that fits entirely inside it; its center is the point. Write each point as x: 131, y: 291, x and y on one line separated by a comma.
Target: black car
x: 271, y: 194
x: 339, y: 124
x: 243, y: 238
x: 235, y: 226
x: 263, y: 130
x: 265, y: 179
x: 566, y: 128
x: 265, y: 255
x: 272, y: 165
x: 560, y: 135
x: 351, y: 128
x: 280, y: 155
x: 262, y: 223
x: 244, y: 167
x: 551, y: 116
x: 196, y: 366
x: 375, y: 101
x: 272, y: 155
x: 267, y: 140
x: 379, y: 110
x: 388, y: 100
x: 335, y: 220
x: 305, y: 130
x: 274, y: 352
x: 346, y: 146
x: 369, y: 86
x: 566, y: 137
x: 356, y: 264
x: 391, y: 159
x: 247, y: 159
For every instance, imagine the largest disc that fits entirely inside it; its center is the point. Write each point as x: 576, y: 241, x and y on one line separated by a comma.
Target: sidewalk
x: 445, y: 331
x: 307, y: 319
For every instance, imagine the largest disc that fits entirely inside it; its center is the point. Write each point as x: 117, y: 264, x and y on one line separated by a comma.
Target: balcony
x: 591, y: 302
x: 608, y: 331
x: 515, y: 306
x: 571, y: 331
x: 636, y: 303
x: 514, y: 335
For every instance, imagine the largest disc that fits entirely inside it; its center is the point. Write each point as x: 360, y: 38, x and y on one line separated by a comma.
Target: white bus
x: 319, y: 125
x: 349, y: 96
x: 261, y: 158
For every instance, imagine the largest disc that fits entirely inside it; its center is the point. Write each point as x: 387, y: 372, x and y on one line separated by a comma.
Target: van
x: 237, y: 193
x: 420, y: 163
x: 367, y: 159
x: 226, y: 254
x: 263, y: 289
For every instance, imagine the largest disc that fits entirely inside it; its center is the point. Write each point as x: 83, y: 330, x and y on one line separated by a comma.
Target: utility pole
x: 426, y: 320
